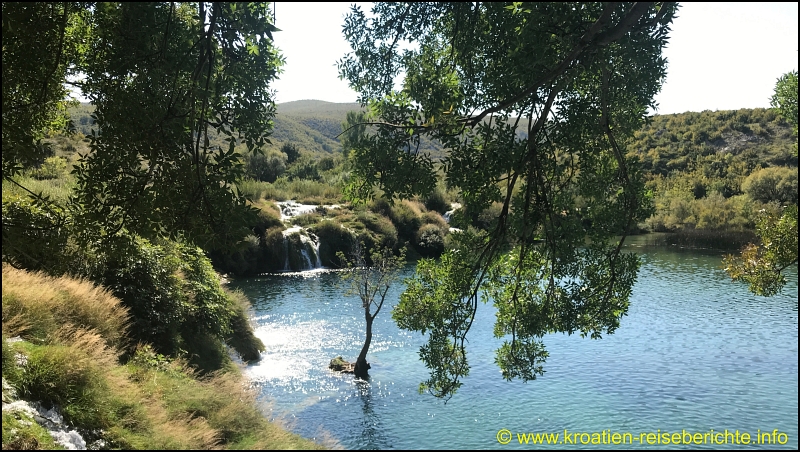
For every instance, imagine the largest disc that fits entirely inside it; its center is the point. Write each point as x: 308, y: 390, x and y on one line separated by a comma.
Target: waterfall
x: 301, y: 250
x: 453, y: 207
x: 300, y: 246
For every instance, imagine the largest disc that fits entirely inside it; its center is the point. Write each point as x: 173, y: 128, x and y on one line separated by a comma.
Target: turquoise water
x: 695, y: 353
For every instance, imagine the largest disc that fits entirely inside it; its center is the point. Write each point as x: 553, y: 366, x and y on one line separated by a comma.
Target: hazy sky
x: 722, y: 56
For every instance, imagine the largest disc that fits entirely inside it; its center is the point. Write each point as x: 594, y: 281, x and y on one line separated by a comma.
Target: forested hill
x: 688, y: 141
x: 311, y: 125
x: 667, y: 144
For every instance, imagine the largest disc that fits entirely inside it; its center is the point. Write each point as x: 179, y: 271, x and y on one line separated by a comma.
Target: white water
x: 52, y: 421
x: 291, y: 209
x: 310, y: 245
x: 453, y: 207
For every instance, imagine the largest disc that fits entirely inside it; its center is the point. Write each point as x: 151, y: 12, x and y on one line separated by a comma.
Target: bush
x: 405, y: 220
x: 385, y: 234
x: 291, y: 151
x: 437, y: 202
x: 245, y: 260
x: 429, y: 241
x: 778, y: 184
x: 242, y: 337
x: 436, y: 219
x: 333, y: 238
x: 380, y: 206
x: 52, y: 168
x: 267, y: 167
x: 304, y: 168
x: 268, y: 217
x: 173, y: 294
x: 34, y: 234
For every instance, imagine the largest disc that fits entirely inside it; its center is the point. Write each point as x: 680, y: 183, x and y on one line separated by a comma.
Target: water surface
x: 696, y: 352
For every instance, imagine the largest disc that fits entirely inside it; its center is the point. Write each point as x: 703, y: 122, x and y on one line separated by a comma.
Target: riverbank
x: 67, y: 360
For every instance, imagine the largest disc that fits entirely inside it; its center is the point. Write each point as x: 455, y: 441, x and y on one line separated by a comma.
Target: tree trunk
x: 362, y: 366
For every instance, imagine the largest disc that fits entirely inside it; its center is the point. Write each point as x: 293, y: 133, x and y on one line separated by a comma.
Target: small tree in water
x: 371, y: 281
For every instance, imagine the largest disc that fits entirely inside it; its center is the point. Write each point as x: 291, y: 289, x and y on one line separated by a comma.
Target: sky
x: 721, y: 56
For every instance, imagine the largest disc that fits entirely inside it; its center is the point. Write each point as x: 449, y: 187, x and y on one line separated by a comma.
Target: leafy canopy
x: 761, y: 266
x: 785, y: 98
x: 41, y: 44
x: 533, y: 103
x: 165, y: 78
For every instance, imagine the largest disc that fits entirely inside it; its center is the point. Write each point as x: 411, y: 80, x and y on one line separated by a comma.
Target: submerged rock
x: 338, y: 364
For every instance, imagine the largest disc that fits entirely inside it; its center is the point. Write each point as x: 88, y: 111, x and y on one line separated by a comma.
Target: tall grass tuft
x: 151, y: 402
x: 36, y: 305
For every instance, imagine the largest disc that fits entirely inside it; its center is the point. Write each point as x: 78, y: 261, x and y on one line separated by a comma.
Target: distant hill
x: 668, y: 143
x: 312, y: 125
x: 686, y: 141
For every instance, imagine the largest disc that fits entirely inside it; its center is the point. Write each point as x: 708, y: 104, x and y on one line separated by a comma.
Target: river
x: 695, y: 354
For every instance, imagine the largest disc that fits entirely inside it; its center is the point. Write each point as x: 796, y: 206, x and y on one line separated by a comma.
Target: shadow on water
x: 372, y: 430
x: 695, y: 352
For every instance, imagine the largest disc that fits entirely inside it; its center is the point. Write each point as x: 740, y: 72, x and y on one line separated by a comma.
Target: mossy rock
x: 338, y: 364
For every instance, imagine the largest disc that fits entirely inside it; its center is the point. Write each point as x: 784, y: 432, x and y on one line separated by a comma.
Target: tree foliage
x: 577, y: 79
x: 41, y: 44
x: 776, y: 184
x: 785, y: 98
x: 370, y: 277
x: 162, y: 77
x: 166, y: 80
x: 761, y: 266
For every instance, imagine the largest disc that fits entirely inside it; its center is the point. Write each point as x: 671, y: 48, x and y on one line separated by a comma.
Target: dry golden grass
x: 36, y: 305
x: 268, y: 206
x: 417, y: 207
x: 76, y: 330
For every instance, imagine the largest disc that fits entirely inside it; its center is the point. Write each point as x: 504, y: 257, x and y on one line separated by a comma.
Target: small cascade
x: 300, y: 246
x: 301, y: 250
x: 453, y: 207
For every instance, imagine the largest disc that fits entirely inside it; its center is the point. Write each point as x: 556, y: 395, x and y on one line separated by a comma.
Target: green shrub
x: 272, y: 251
x: 245, y: 260
x: 52, y: 168
x: 434, y: 218
x: 268, y: 218
x: 145, y: 277
x: 429, y: 241
x: 291, y: 151
x: 380, y: 206
x: 405, y: 220
x: 34, y: 234
x: 385, y: 234
x: 774, y: 184
x: 267, y: 167
x: 242, y: 337
x: 437, y: 202
x: 173, y: 294
x: 333, y: 239
x: 304, y: 168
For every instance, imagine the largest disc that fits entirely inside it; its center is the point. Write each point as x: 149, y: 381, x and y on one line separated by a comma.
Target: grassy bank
x: 73, y: 335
